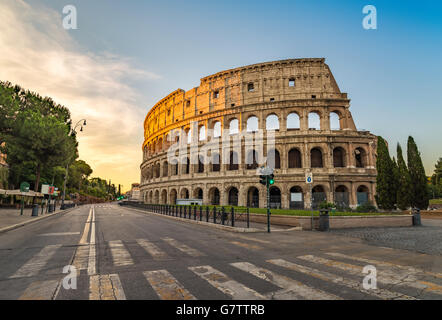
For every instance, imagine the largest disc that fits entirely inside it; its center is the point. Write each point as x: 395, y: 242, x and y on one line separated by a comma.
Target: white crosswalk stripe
x: 166, y: 286
x: 106, y: 287
x: 353, y: 284
x: 292, y: 289
x: 40, y: 290
x: 152, y: 249
x: 183, y: 248
x: 120, y: 255
x: 384, y: 275
x: 36, y: 263
x: 226, y: 285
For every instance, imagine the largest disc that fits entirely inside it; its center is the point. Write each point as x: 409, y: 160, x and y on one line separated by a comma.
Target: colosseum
x: 305, y: 125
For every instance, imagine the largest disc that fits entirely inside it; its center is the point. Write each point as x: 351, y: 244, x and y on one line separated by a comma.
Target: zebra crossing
x: 291, y: 275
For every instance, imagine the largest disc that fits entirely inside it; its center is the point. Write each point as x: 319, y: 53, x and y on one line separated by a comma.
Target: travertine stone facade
x: 283, y: 96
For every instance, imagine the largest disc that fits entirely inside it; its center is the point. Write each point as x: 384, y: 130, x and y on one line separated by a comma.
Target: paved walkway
x: 9, y: 216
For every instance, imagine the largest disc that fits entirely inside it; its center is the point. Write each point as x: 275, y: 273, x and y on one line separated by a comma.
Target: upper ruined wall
x: 229, y: 89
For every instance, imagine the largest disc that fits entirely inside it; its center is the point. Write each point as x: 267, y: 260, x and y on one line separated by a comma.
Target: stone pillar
x: 303, y: 121
x: 285, y: 198
x: 242, y: 196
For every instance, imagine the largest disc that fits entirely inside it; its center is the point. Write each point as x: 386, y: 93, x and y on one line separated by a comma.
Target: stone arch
x: 252, y: 123
x: 342, y: 196
x: 202, y: 133
x: 172, y: 196
x: 360, y: 156
x: 295, y: 158
x: 164, y: 196
x: 296, y: 197
x: 316, y: 158
x: 274, y: 159
x: 362, y: 194
x: 275, y: 197
x: 216, y: 162
x: 217, y: 131
x: 339, y: 157
x: 232, y: 196
x: 293, y: 121
x: 156, y: 197
x: 233, y: 160
x: 253, y: 197
x: 252, y: 160
x: 150, y: 197
x: 184, y: 193
x: 234, y: 126
x: 165, y: 168
x: 314, y: 120
x: 335, y: 122
x: 319, y: 195
x: 272, y: 122
x: 185, y: 162
x: 214, y: 196
x: 198, y: 193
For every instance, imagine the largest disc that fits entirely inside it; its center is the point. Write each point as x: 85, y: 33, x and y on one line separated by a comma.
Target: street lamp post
x: 67, y: 165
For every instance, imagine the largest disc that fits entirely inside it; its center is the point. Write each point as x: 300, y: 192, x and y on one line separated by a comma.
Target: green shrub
x: 366, y: 207
x: 326, y: 205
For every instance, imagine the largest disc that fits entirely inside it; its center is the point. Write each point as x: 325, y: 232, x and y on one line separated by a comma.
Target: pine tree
x: 385, y: 180
x: 396, y: 179
x: 404, y: 189
x: 420, y: 198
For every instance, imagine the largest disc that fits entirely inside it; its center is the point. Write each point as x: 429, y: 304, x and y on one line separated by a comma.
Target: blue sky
x: 393, y: 75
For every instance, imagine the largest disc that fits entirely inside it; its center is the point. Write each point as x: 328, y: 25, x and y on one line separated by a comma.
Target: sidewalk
x: 11, y: 217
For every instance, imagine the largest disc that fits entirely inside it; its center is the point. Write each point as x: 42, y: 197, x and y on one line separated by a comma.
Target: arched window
x: 272, y: 122
x: 362, y: 194
x: 202, y: 133
x: 360, y: 158
x: 189, y: 135
x: 342, y: 198
x: 215, y: 162
x: 295, y: 158
x: 334, y: 121
x: 186, y: 165
x: 165, y: 169
x: 316, y: 158
x: 252, y: 160
x: 200, y: 164
x: 338, y: 157
x: 233, y: 161
x: 275, y: 197
x: 252, y: 124
x: 293, y: 121
x: 233, y: 196
x: 314, y: 121
x: 217, y: 129
x: 273, y: 159
x: 319, y: 195
x: 233, y: 127
x: 253, y: 197
x: 214, y: 196
x: 296, y: 198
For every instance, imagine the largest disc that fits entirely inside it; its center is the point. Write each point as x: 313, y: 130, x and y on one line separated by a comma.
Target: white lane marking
x: 153, y: 250
x: 183, y: 248
x: 36, y: 263
x: 385, y: 264
x: 83, y: 239
x: 353, y: 284
x: 226, y: 285
x: 55, y: 234
x: 40, y: 290
x: 92, y: 265
x: 166, y: 286
x: 292, y: 289
x: 120, y: 255
x: 388, y: 276
x: 106, y: 287
x: 81, y: 257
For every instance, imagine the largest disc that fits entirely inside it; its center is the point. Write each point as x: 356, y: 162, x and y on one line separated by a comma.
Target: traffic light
x: 271, y: 179
x: 263, y: 179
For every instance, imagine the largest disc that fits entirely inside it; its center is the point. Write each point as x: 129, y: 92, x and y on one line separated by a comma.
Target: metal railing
x: 229, y: 216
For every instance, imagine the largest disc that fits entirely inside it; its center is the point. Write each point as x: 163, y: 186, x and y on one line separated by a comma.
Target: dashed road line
x: 152, y: 249
x: 184, y: 248
x: 120, y: 255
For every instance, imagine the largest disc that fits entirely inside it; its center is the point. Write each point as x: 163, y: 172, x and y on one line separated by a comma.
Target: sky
x: 124, y: 56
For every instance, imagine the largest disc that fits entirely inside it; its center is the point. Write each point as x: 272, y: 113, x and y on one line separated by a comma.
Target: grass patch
x: 435, y: 201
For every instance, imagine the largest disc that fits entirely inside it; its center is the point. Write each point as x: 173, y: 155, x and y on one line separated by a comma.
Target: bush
x: 326, y: 205
x: 366, y: 207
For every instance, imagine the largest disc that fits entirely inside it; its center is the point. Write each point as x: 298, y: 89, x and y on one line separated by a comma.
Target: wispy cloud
x: 38, y: 54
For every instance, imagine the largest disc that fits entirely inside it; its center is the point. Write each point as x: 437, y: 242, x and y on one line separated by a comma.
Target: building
x: 134, y: 193
x: 301, y: 122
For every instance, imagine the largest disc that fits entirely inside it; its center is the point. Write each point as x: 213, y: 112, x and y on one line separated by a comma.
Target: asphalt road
x: 122, y: 253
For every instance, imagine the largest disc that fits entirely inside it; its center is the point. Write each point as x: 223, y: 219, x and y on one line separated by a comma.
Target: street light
x: 67, y: 165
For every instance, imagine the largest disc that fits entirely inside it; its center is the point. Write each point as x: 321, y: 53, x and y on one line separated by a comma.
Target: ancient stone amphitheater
x: 195, y: 144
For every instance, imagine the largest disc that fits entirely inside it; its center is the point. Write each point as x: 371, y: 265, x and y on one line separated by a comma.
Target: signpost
x: 267, y: 179
x: 24, y: 187
x: 309, y: 181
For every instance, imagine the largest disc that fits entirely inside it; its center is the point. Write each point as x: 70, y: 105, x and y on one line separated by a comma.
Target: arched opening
x: 252, y: 160
x: 188, y: 135
x: 164, y: 197
x: 273, y: 159
x: 293, y: 121
x: 215, y: 162
x: 202, y: 133
x: 360, y: 158
x: 150, y: 197
x: 335, y: 123
x: 217, y: 129
x: 234, y: 126
x: 362, y: 195
x: 165, y: 169
x: 233, y: 196
x: 339, y: 157
x: 172, y: 197
x: 174, y: 167
x: 200, y: 164
x: 160, y: 145
x: 233, y: 161
x: 157, y: 170
x: 275, y: 198
x: 186, y: 165
x: 198, y: 193
x: 319, y: 195
x: 342, y: 199
x: 272, y: 122
x: 295, y: 158
x: 296, y: 198
x: 184, y: 194
x: 316, y: 158
x: 214, y: 196
x: 156, y: 197
x: 253, y: 197
x: 314, y: 121
x: 252, y: 124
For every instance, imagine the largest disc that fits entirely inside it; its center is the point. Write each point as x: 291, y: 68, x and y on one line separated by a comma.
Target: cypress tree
x: 385, y: 180
x: 396, y: 179
x: 419, y: 192
x: 404, y: 188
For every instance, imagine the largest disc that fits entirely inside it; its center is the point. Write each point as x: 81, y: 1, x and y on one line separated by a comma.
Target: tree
x: 436, y: 178
x: 396, y: 178
x: 420, y: 198
x: 385, y: 180
x: 404, y: 182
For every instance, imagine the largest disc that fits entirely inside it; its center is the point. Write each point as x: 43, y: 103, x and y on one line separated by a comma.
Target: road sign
x: 309, y: 177
x: 24, y: 187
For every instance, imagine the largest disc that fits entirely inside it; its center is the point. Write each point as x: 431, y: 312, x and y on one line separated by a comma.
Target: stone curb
x: 208, y: 224
x: 24, y: 223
